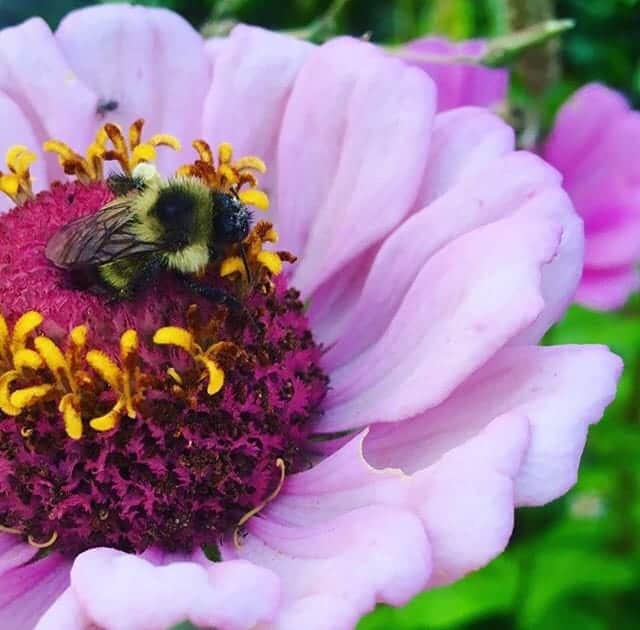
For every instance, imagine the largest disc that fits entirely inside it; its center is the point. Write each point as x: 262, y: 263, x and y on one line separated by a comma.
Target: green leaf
x: 488, y: 592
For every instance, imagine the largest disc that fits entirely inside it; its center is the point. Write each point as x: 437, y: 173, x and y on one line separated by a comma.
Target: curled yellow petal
x: 69, y: 408
x: 226, y: 172
x: 271, y: 261
x: 109, y: 420
x: 62, y: 150
x: 106, y: 367
x: 232, y: 264
x: 165, y: 140
x: 51, y: 354
x: 204, y: 151
x: 5, y: 395
x: 128, y: 343
x: 22, y: 398
x: 9, y: 184
x: 26, y: 324
x: 254, y: 197
x: 225, y: 152
x: 251, y: 162
x: 4, y: 338
x: 26, y: 358
x: 143, y: 153
x: 19, y: 159
x: 216, y: 376
x: 78, y: 335
x: 175, y: 336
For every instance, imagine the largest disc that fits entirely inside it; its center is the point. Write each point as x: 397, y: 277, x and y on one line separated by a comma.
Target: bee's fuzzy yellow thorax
x: 191, y: 259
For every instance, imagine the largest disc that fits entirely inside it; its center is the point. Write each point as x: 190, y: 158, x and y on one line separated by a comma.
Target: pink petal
x: 486, y: 196
x: 367, y: 555
x: 580, y: 125
x: 468, y: 300
x: 368, y: 198
x: 253, y: 77
x: 29, y: 589
x: 316, y: 112
x: 148, y: 60
x: 458, y: 83
x: 37, y: 77
x: 464, y: 141
x: 560, y: 389
x: 464, y: 497
x: 607, y: 289
x: 112, y: 589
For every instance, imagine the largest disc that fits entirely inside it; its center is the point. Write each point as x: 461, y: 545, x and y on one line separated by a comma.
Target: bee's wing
x: 98, y: 238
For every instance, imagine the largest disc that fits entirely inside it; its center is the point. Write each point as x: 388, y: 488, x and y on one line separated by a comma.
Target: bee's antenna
x: 243, y: 253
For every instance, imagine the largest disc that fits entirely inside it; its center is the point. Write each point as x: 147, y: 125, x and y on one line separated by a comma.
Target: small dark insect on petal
x: 106, y: 105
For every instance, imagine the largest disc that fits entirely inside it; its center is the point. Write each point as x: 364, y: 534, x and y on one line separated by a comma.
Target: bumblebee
x: 178, y: 225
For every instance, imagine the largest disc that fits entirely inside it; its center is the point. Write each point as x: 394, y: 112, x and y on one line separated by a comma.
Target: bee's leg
x: 218, y: 296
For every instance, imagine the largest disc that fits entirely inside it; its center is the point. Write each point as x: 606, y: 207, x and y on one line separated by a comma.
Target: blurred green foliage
x: 574, y: 563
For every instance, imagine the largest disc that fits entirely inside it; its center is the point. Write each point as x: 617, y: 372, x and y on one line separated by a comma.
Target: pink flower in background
x: 458, y: 84
x: 594, y: 145
x: 433, y: 258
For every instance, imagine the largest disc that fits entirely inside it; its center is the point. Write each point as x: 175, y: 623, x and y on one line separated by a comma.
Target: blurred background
x: 576, y: 562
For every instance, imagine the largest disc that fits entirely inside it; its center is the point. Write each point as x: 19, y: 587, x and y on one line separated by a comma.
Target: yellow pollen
x: 182, y: 338
x: 26, y: 358
x: 17, y: 182
x: 22, y: 398
x: 70, y: 408
x: 128, y: 152
x: 25, y: 325
x: 78, y: 336
x: 5, y: 395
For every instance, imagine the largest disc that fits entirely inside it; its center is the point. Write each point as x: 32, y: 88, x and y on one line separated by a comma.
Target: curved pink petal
x: 28, y: 588
x: 606, y: 289
x: 560, y: 389
x: 468, y: 300
x: 157, y: 69
x: 458, y: 83
x: 464, y: 496
x: 368, y: 555
x: 464, y: 141
x: 16, y: 128
x: 580, y: 126
x: 486, y: 196
x: 316, y: 112
x: 253, y: 76
x: 112, y: 589
x: 38, y: 78
x: 368, y: 198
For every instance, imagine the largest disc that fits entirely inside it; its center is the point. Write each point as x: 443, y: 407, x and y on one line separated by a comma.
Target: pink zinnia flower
x: 459, y: 82
x: 593, y: 144
x: 361, y: 451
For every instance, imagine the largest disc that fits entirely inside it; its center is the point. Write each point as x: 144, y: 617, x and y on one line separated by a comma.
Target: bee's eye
x: 173, y: 207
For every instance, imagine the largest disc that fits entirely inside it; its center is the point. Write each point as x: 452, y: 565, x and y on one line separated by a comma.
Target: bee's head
x: 231, y: 218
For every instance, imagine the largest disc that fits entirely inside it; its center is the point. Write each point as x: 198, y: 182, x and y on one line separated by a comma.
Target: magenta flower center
x: 165, y: 420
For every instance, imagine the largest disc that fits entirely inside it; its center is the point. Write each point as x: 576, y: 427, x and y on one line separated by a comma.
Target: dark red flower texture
x: 190, y: 465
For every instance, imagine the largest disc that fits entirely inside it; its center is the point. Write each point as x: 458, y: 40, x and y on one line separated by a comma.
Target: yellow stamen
x: 78, y: 336
x: 128, y: 343
x: 271, y: 261
x: 128, y: 152
x: 175, y: 336
x: 55, y: 361
x: 9, y: 530
x: 252, y: 162
x: 25, y: 325
x: 225, y: 153
x: 5, y: 395
x: 173, y: 373
x: 17, y: 182
x: 216, y: 376
x: 22, y: 398
x: 70, y: 408
x: 105, y: 367
x: 4, y: 341
x: 251, y: 513
x: 109, y: 420
x: 26, y: 358
x: 232, y: 264
x: 45, y: 544
x: 254, y: 197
